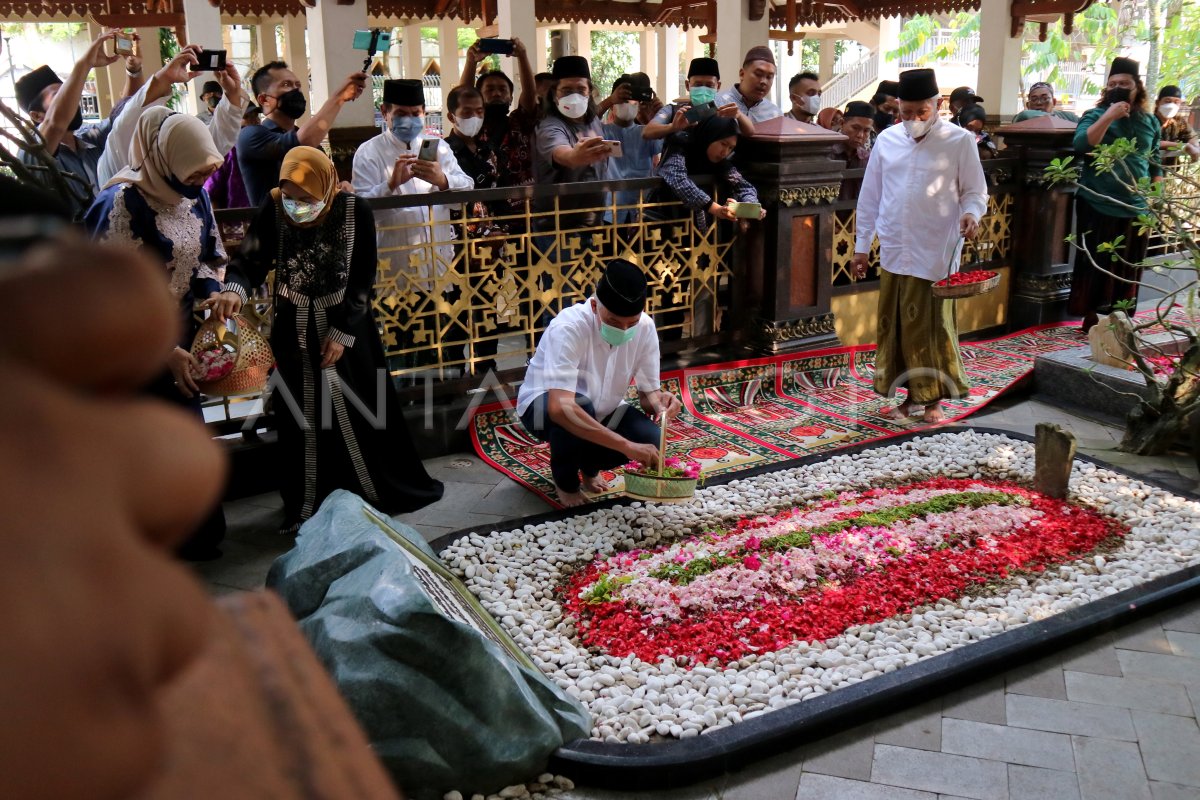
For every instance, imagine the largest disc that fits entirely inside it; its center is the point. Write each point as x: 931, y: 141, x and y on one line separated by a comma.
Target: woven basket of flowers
x: 234, y: 357
x: 674, y: 481
x: 966, y: 284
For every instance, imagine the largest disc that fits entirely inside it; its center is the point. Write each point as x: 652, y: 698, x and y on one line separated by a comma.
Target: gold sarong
x: 917, y: 342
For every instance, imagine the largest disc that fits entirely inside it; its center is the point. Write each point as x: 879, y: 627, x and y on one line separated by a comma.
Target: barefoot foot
x: 933, y: 414
x: 569, y: 499
x: 898, y: 413
x: 594, y: 484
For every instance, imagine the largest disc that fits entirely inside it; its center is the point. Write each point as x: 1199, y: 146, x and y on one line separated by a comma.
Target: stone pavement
x: 1113, y: 718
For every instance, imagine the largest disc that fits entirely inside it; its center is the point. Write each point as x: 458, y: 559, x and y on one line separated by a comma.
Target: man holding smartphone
x: 507, y: 131
x: 94, y: 153
x: 637, y: 155
x: 404, y: 161
x: 261, y: 148
x: 703, y: 83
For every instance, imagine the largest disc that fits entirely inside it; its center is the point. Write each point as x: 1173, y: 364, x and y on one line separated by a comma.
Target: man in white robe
x: 923, y: 193
x: 415, y: 243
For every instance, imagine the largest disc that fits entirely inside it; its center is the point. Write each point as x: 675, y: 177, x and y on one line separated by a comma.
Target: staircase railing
x: 842, y: 88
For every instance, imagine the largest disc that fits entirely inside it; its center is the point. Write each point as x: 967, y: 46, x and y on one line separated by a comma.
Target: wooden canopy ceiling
x: 786, y: 16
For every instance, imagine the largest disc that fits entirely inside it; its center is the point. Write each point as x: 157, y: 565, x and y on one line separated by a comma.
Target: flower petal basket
x: 252, y: 356
x: 674, y: 483
x: 659, y: 488
x: 966, y: 284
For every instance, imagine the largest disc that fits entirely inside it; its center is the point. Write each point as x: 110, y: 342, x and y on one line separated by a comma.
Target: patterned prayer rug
x: 743, y: 414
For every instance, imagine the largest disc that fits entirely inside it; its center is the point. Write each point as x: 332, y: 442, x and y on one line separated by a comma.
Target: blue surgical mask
x: 615, y: 336
x: 301, y: 211
x: 407, y: 128
x: 190, y: 192
x: 700, y: 95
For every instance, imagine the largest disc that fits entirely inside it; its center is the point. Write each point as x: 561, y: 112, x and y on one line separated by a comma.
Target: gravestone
x: 1054, y: 453
x: 1105, y: 340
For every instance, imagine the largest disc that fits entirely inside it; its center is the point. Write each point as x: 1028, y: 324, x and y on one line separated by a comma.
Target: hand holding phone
x: 429, y: 150
x: 210, y: 61
x: 701, y: 112
x: 745, y: 210
x: 123, y: 44
x: 614, y: 148
x: 503, y: 47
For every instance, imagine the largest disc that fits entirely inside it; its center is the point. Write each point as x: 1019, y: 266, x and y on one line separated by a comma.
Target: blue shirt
x: 82, y: 161
x: 260, y: 152
x: 761, y: 111
x: 636, y: 153
x: 183, y: 236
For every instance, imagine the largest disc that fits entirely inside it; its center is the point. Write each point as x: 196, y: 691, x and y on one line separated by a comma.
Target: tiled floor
x: 1114, y: 717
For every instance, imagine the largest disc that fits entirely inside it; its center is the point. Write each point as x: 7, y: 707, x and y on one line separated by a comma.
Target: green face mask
x: 702, y: 94
x: 615, y: 336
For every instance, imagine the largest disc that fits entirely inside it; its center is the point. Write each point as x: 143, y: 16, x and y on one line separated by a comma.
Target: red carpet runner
x: 743, y: 414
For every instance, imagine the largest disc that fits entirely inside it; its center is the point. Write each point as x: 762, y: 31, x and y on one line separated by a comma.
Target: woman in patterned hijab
x: 340, y: 422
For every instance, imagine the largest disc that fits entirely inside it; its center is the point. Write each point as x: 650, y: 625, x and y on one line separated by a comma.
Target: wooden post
x: 788, y: 257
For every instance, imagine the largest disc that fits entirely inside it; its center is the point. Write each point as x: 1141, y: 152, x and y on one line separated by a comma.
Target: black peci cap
x: 404, y: 93
x: 622, y: 288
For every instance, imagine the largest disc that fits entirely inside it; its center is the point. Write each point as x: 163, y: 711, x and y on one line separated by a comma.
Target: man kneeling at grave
x: 574, y: 391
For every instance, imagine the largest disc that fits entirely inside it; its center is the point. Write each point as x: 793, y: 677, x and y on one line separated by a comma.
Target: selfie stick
x: 372, y: 49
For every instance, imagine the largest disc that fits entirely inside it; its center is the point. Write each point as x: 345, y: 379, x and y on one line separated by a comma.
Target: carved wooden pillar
x: 1042, y: 263
x: 789, y: 265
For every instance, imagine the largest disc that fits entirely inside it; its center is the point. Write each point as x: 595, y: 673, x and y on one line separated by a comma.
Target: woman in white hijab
x: 158, y: 205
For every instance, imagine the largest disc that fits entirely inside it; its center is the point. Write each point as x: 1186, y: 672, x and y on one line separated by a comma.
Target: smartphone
x: 503, y: 47
x: 701, y: 112
x: 211, y: 61
x: 614, y: 148
x: 429, y: 150
x: 373, y: 41
x: 643, y: 94
x: 123, y: 45
x: 747, y: 210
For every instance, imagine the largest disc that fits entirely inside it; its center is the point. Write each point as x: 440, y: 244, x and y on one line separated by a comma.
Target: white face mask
x: 573, y: 106
x: 917, y: 128
x: 809, y: 104
x: 626, y: 112
x: 1169, y: 110
x: 469, y: 127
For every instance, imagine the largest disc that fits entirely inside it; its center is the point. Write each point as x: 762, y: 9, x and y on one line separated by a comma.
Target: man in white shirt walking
x: 574, y: 391
x: 923, y: 193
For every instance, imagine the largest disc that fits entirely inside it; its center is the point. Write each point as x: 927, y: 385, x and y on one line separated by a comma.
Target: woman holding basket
x: 158, y: 205
x: 339, y: 420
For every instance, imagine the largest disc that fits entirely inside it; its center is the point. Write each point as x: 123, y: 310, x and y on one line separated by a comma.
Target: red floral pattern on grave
x: 859, y: 572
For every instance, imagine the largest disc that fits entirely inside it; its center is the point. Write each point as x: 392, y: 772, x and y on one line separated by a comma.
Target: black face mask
x: 495, y: 112
x: 215, y: 100
x: 1117, y: 96
x: 883, y: 120
x: 292, y: 104
x: 190, y: 192
x: 76, y: 121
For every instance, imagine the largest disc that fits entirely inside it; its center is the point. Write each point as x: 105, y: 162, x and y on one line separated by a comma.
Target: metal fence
x: 989, y: 249
x: 469, y: 284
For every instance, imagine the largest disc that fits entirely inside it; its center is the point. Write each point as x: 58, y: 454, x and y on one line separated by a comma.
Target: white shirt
x: 913, y: 196
x: 401, y: 246
x: 573, y: 357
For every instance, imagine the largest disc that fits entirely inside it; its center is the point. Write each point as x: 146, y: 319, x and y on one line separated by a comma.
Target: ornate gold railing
x: 991, y: 247
x: 470, y: 284
x: 480, y: 280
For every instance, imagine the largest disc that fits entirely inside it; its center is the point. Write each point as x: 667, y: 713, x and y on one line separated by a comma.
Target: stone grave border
x: 684, y: 761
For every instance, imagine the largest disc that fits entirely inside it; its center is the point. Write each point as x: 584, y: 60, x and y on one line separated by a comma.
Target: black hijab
x: 695, y: 141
